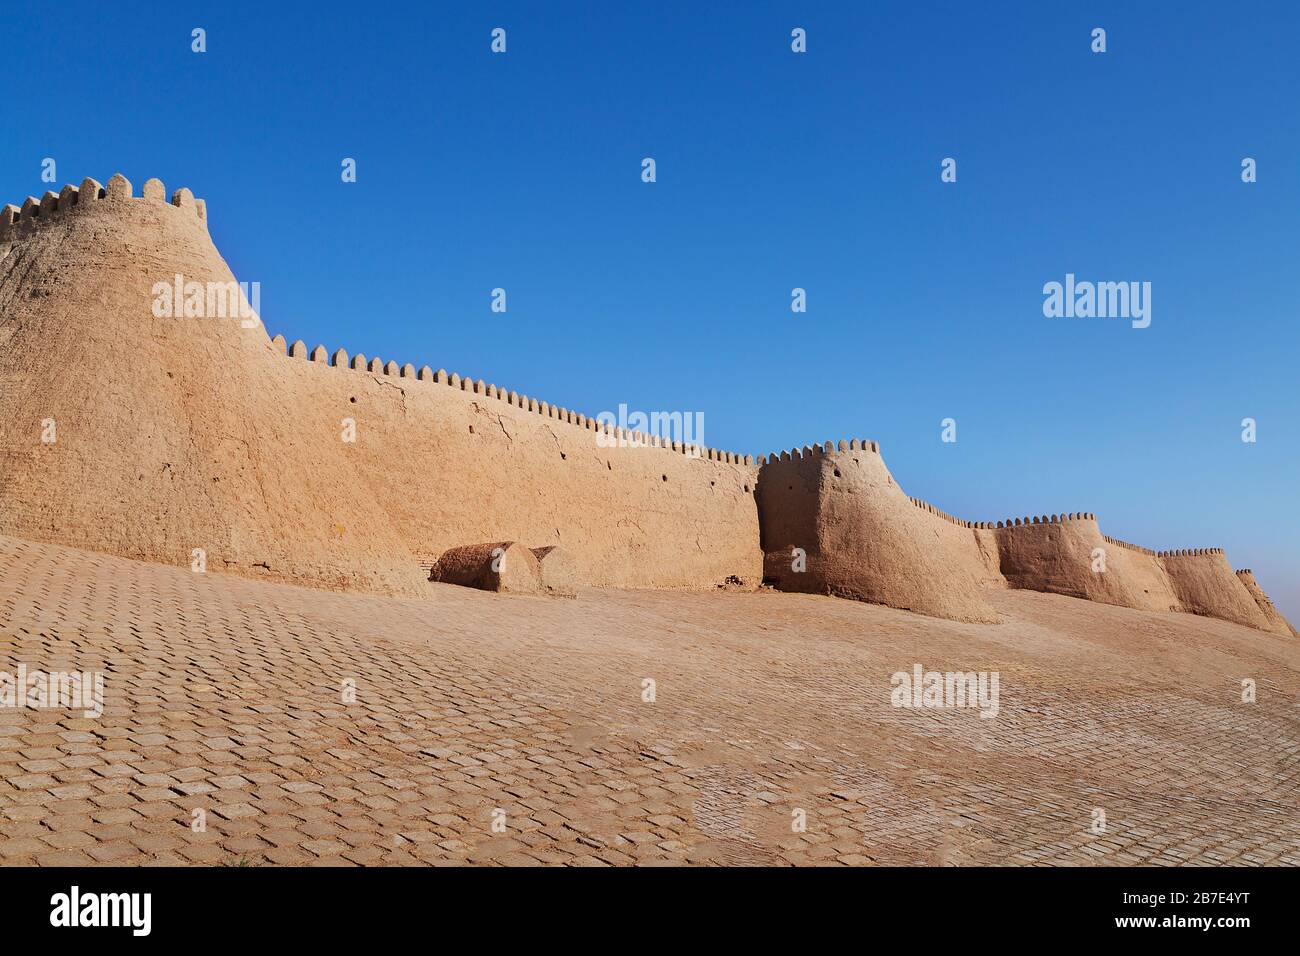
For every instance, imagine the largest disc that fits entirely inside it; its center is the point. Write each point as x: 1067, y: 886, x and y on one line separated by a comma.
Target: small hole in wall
x: 837, y: 473
x: 712, y: 484
x: 665, y: 477
x: 747, y: 489
x: 471, y: 429
x: 609, y: 466
x: 791, y: 488
x: 353, y: 399
x: 563, y: 457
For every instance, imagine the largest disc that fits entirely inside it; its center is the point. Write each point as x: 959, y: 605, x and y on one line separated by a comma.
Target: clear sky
x: 775, y: 170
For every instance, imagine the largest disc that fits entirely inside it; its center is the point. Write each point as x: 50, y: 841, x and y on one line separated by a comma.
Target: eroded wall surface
x: 1276, y: 622
x: 862, y: 537
x: 173, y: 434
x: 859, y: 536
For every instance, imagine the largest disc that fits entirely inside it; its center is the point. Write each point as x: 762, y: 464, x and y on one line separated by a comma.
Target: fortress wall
x: 170, y: 434
x: 1205, y: 584
x: 19, y: 223
x: 182, y: 433
x: 863, y: 538
x: 456, y: 461
x: 973, y: 542
x: 1055, y: 553
x: 1276, y: 622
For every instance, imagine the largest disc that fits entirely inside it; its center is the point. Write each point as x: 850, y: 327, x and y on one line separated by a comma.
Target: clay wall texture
x: 183, y: 433
x: 862, y: 536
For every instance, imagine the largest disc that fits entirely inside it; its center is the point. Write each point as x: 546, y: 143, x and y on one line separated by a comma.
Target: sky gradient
x: 775, y: 170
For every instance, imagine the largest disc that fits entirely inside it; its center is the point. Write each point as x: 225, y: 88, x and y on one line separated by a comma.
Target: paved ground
x: 225, y: 695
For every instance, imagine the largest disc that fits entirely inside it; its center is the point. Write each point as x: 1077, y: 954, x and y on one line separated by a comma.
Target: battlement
x: 825, y: 448
x: 1042, y: 519
x: 17, y: 223
x: 616, y: 436
x: 951, y: 519
x: 1132, y: 547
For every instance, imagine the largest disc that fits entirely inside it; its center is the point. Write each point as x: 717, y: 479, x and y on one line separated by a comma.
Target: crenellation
x: 119, y: 188
x: 91, y: 191
x: 53, y: 205
x: 9, y: 216
x: 524, y: 402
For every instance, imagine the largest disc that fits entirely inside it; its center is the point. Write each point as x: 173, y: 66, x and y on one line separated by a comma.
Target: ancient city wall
x: 1067, y: 554
x: 457, y: 461
x: 862, y: 537
x: 202, y: 441
x: 1205, y: 584
x: 843, y: 508
x: 177, y: 434
x: 1276, y: 622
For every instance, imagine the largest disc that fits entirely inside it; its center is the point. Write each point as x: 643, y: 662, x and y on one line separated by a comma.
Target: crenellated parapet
x: 951, y: 519
x: 615, y: 436
x: 833, y: 521
x: 19, y: 222
x: 1029, y: 520
x: 824, y: 448
x: 1131, y: 547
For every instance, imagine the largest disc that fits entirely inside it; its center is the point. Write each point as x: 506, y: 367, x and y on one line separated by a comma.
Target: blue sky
x: 775, y: 170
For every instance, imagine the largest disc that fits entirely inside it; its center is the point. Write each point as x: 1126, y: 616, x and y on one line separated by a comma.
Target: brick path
x: 225, y: 695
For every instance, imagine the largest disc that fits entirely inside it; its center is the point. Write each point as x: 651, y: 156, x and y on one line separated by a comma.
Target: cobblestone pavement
x: 230, y: 696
